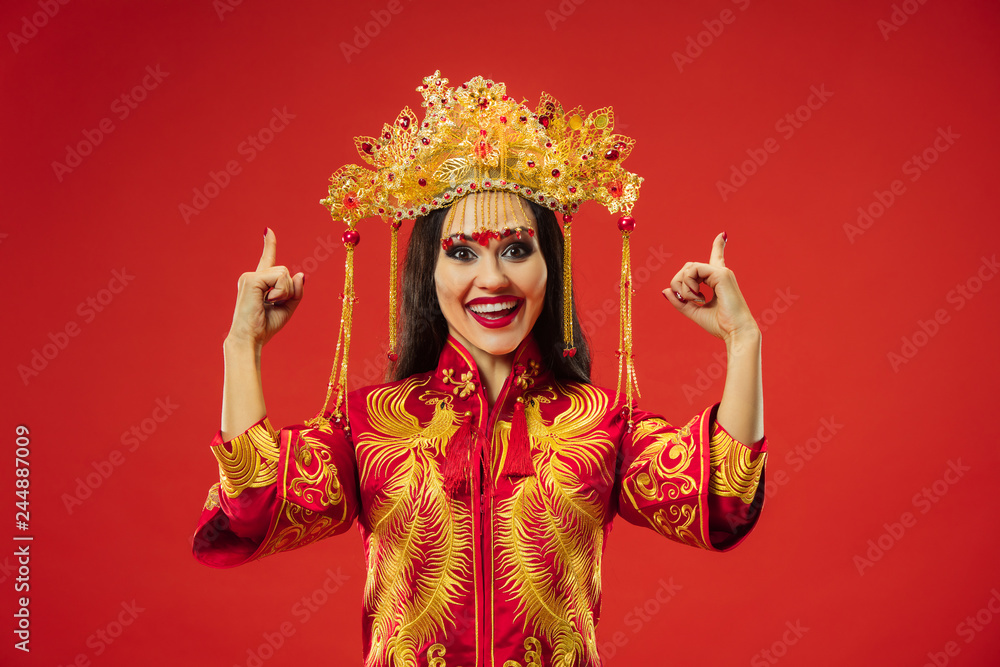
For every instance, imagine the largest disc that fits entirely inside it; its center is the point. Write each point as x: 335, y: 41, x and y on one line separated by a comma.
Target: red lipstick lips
x: 490, y: 319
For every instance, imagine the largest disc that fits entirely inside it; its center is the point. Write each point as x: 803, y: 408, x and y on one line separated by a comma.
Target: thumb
x: 268, y: 257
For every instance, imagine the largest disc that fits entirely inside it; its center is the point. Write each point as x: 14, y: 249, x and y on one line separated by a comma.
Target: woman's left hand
x: 727, y: 315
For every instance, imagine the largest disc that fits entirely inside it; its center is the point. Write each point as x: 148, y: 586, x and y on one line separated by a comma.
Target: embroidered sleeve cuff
x: 736, y: 468
x: 248, y: 461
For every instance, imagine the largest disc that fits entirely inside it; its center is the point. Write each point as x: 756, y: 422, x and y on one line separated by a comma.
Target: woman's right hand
x: 266, y: 298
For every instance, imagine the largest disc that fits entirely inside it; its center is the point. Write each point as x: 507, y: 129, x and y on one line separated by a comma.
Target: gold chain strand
x: 625, y: 359
x: 338, y: 373
x: 524, y: 213
x: 393, y: 284
x: 498, y: 221
x: 568, y: 342
x: 349, y: 299
x: 449, y: 221
x: 461, y: 223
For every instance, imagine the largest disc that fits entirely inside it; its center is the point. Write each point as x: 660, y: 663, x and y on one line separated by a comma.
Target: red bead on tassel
x: 458, y: 462
x: 518, y: 462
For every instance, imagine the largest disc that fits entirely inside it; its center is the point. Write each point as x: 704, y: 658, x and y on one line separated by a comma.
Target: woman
x: 486, y: 476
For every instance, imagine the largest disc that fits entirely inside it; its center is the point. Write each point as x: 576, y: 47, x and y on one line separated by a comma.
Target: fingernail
x: 725, y: 237
x: 265, y: 232
x: 680, y: 298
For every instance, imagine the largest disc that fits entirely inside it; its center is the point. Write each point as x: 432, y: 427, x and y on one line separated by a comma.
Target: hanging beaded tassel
x: 338, y: 374
x: 458, y: 460
x: 570, y: 349
x: 518, y: 462
x: 626, y: 362
x: 393, y: 288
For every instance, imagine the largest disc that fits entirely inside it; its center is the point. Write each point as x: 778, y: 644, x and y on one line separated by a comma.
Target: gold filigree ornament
x: 475, y: 138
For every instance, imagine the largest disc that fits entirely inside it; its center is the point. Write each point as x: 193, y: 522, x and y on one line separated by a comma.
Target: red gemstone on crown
x: 555, y: 173
x: 351, y: 200
x: 367, y: 148
x: 351, y: 237
x: 531, y: 163
x: 544, y: 120
x: 612, y: 154
x: 425, y: 140
x: 572, y: 189
x: 422, y: 182
x: 404, y: 122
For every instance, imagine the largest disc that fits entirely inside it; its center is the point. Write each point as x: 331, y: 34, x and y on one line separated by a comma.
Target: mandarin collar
x: 457, y: 367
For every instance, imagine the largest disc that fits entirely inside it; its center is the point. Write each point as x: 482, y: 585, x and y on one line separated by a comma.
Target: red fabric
x: 481, y: 578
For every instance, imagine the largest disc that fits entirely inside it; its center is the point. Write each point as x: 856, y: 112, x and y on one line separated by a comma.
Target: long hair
x: 425, y: 330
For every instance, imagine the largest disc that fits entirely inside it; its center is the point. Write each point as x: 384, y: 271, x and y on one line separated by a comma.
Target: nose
x: 491, y: 276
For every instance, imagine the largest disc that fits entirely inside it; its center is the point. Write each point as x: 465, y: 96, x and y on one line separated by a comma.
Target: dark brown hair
x: 425, y: 330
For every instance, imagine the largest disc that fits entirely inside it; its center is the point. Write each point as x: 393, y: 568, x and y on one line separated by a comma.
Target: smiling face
x: 491, y: 295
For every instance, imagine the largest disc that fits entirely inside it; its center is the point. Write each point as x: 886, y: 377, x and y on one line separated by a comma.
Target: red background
x: 853, y: 301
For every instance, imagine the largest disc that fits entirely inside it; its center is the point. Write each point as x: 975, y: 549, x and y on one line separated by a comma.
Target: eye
x: 461, y: 253
x: 517, y: 250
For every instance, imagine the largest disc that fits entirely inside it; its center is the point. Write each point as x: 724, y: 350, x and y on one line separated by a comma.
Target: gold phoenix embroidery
x: 553, y: 515
x: 532, y: 654
x: 413, y: 526
x: 668, y: 456
x: 318, y: 487
x: 735, y: 471
x: 250, y: 460
x: 322, y: 486
x: 664, y: 480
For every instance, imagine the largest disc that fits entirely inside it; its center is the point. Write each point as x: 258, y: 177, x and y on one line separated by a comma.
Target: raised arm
x: 728, y: 317
x: 265, y: 301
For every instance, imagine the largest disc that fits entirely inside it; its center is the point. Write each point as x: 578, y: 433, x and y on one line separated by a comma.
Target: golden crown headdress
x: 476, y: 138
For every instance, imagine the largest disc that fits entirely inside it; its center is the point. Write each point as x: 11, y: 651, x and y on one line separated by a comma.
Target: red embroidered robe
x: 506, y: 573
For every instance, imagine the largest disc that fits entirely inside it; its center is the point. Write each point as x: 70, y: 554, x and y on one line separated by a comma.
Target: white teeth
x: 492, y: 307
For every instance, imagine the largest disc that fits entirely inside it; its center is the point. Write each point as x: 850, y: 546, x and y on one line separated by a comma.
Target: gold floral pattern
x: 464, y: 386
x: 526, y: 374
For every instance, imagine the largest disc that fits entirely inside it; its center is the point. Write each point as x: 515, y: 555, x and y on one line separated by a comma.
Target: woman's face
x: 491, y: 295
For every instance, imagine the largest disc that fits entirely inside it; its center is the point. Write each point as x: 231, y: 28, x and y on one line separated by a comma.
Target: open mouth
x: 494, y: 312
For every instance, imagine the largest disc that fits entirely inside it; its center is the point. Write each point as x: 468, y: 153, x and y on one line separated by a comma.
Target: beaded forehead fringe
x: 475, y: 139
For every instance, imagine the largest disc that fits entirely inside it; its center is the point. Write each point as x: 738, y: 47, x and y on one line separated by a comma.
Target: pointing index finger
x: 268, y: 257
